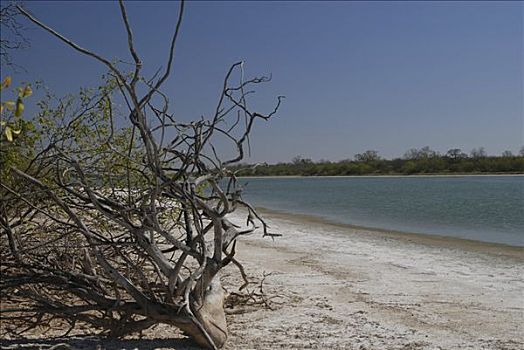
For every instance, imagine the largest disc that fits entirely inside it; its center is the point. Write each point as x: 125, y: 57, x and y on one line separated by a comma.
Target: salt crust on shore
x: 349, y: 288
x: 355, y: 289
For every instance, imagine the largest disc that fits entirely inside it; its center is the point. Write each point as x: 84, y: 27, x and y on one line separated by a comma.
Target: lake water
x: 483, y: 208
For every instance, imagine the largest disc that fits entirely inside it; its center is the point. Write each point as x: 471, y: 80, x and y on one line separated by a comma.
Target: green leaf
x: 10, y: 105
x: 19, y: 108
x: 107, y: 109
x: 5, y: 83
x: 26, y: 92
x: 8, y: 134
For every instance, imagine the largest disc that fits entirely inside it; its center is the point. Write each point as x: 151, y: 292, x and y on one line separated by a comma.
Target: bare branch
x: 119, y: 218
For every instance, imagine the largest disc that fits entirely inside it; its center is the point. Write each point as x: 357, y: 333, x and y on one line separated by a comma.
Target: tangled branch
x: 122, y: 227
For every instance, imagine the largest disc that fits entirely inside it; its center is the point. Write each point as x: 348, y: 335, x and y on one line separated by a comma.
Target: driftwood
x: 120, y: 218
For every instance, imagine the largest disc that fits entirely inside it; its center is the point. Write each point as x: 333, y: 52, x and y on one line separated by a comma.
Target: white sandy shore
x: 350, y: 288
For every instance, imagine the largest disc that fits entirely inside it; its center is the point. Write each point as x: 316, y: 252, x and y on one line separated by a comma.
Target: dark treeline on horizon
x: 414, y: 161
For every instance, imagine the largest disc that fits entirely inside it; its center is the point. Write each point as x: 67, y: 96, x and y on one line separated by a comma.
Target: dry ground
x: 336, y: 287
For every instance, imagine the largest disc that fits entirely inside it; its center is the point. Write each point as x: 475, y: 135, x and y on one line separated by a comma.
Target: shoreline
x: 350, y: 288
x: 340, y: 287
x: 385, y: 176
x: 415, y: 237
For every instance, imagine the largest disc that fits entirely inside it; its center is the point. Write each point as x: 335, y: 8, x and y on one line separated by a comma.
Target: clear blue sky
x: 387, y: 76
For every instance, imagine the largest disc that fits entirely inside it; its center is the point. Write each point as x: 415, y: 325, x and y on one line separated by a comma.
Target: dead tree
x: 12, y: 37
x: 120, y: 218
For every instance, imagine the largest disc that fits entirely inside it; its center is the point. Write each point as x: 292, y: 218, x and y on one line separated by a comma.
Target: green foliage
x: 83, y: 127
x: 423, y: 161
x: 11, y: 111
x: 368, y: 156
x: 17, y: 135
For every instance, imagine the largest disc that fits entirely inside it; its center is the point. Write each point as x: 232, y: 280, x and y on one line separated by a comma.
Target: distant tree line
x: 414, y: 161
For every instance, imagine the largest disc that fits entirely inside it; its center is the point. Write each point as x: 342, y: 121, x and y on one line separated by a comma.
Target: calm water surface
x: 484, y: 208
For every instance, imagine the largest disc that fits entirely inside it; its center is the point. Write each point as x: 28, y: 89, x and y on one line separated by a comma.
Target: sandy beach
x: 348, y: 288
x: 338, y: 287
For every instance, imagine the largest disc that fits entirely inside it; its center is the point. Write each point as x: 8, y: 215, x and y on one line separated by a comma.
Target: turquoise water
x: 483, y: 208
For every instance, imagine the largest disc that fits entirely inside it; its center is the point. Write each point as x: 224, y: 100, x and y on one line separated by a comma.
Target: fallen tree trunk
x: 211, y: 315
